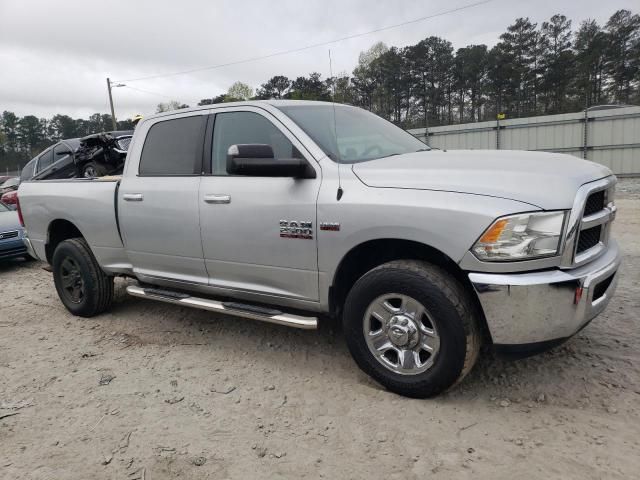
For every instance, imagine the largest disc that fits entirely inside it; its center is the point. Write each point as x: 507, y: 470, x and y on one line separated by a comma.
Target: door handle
x: 217, y: 198
x: 132, y: 197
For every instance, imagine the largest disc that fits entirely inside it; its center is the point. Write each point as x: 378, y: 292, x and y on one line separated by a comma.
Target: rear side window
x: 27, y: 171
x: 46, y: 159
x: 174, y: 147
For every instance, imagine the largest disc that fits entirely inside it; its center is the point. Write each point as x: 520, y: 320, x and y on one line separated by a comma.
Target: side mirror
x: 257, y: 160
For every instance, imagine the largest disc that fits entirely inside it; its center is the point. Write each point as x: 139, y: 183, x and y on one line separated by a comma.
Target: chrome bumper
x: 525, y: 308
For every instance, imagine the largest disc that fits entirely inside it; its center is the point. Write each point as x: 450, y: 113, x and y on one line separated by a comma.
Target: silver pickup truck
x: 289, y: 211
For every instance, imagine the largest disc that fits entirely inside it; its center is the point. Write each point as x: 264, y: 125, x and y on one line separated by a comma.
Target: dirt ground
x: 156, y: 391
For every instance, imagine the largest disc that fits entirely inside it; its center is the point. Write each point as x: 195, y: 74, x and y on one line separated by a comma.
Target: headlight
x: 521, y: 237
x: 122, y: 143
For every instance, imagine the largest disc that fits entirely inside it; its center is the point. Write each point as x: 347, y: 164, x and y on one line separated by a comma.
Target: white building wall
x: 612, y: 136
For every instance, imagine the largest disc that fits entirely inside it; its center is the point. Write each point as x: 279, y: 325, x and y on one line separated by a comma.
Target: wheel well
x: 59, y: 231
x: 371, y: 254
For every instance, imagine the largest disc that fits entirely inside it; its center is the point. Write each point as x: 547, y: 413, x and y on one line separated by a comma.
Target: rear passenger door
x: 158, y: 204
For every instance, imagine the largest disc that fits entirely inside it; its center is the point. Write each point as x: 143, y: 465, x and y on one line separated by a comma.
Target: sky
x: 55, y: 56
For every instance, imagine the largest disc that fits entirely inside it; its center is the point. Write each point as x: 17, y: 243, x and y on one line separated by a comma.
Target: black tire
x: 97, y: 287
x: 452, y: 312
x: 94, y: 170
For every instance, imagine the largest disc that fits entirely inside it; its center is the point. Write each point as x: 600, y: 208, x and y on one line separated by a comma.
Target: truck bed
x: 88, y: 204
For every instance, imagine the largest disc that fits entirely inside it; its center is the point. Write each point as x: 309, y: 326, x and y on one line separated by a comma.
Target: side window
x: 46, y: 159
x: 27, y: 171
x: 174, y: 147
x: 234, y: 128
x: 60, y: 152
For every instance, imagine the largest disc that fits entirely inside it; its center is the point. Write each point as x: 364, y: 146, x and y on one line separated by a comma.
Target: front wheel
x: 94, y: 170
x: 81, y: 284
x: 412, y: 327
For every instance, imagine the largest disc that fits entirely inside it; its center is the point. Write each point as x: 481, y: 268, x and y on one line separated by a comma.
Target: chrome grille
x: 8, y: 235
x: 589, y: 238
x: 595, y: 203
x: 589, y: 223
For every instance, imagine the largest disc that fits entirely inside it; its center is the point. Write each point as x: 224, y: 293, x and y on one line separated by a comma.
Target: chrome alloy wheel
x: 400, y: 334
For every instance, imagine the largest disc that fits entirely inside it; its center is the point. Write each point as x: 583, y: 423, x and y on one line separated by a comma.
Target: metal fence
x: 610, y: 137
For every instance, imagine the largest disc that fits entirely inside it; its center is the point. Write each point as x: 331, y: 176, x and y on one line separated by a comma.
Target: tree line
x: 532, y: 70
x: 22, y: 138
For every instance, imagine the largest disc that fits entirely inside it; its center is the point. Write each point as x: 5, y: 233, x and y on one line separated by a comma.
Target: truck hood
x: 545, y: 180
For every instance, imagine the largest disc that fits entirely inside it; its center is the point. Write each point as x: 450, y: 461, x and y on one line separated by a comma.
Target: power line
x: 162, y: 95
x: 308, y: 47
x: 148, y: 91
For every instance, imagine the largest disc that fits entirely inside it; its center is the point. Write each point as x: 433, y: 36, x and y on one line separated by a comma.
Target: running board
x: 230, y: 308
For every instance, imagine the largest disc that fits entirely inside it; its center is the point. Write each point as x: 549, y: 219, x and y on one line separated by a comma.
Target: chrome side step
x: 230, y: 308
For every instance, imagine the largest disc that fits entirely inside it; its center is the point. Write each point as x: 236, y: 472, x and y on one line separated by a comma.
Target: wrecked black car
x: 54, y: 162
x: 102, y: 154
x: 91, y: 156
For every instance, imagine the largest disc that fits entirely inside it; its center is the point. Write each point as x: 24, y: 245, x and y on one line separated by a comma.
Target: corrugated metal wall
x: 612, y: 136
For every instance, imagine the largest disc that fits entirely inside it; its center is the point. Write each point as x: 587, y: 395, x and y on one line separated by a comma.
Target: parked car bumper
x: 544, y: 308
x: 12, y: 248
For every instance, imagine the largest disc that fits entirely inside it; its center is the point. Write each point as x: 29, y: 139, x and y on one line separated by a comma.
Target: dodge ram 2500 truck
x: 287, y: 212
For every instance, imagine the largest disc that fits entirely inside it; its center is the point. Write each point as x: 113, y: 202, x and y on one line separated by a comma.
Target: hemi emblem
x: 330, y: 226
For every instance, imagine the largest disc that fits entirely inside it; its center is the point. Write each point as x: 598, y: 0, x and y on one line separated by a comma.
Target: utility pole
x: 113, y: 114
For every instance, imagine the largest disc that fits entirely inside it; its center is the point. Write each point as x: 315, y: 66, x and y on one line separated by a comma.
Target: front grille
x: 8, y: 235
x: 589, y: 238
x: 601, y: 288
x: 595, y: 203
x: 589, y: 224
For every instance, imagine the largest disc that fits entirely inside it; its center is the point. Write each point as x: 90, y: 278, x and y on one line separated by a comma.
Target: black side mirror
x: 257, y: 160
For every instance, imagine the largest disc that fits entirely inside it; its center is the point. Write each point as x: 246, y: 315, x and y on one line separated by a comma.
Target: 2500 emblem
x: 296, y: 229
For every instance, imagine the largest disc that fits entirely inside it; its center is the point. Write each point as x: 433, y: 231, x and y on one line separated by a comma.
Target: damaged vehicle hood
x: 545, y: 180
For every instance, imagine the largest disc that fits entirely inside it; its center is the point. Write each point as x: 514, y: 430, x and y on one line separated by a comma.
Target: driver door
x: 241, y: 216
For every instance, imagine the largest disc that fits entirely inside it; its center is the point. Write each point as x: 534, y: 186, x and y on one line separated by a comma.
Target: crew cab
x: 293, y: 211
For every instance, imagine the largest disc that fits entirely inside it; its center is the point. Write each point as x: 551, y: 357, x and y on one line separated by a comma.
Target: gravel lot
x: 156, y: 391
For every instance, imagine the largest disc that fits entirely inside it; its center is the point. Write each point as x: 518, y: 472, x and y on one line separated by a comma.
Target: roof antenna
x: 335, y: 128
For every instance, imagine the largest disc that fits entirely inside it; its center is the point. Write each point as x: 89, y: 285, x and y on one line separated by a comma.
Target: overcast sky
x: 55, y: 55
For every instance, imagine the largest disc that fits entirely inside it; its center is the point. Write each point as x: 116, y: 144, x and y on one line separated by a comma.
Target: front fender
x: 449, y: 222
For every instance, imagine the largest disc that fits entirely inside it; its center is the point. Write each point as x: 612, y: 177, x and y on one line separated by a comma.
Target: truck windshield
x: 358, y: 135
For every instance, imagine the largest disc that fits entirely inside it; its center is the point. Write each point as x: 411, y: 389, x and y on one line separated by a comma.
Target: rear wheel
x: 411, y: 326
x: 84, y: 289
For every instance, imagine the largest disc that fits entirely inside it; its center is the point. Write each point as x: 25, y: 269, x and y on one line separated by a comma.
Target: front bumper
x: 529, y: 308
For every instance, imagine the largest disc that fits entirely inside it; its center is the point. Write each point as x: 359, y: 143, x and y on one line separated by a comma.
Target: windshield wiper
x: 424, y: 149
